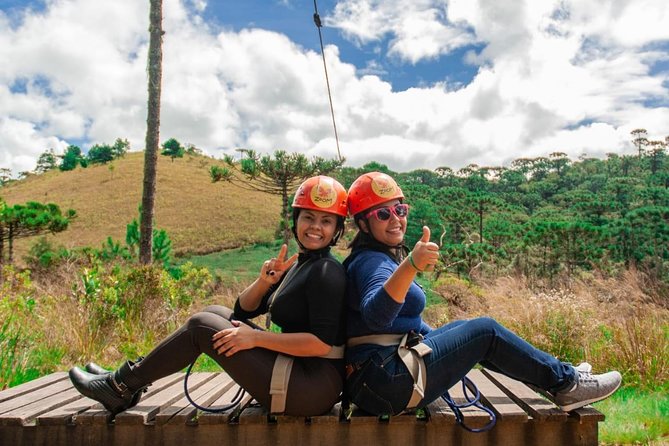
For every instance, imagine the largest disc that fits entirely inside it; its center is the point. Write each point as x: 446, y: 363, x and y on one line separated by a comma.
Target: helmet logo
x: 383, y: 186
x: 323, y: 194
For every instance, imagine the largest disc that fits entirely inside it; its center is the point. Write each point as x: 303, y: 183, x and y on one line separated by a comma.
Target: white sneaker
x: 588, y: 389
x: 584, y: 367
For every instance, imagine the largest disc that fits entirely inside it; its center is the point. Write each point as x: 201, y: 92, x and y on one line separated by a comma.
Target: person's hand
x: 425, y: 254
x: 273, y: 269
x: 232, y: 340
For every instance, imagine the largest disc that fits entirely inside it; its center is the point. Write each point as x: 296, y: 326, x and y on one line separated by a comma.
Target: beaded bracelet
x: 413, y: 264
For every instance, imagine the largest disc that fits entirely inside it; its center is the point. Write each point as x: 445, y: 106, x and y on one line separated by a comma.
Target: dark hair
x: 339, y: 230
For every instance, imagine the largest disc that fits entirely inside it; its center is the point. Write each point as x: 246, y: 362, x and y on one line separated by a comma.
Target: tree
x: 100, y: 154
x: 72, y: 158
x: 46, y: 161
x: 640, y: 140
x: 5, y: 176
x: 173, y: 149
x: 155, y: 69
x: 27, y: 220
x: 277, y: 175
x: 120, y: 148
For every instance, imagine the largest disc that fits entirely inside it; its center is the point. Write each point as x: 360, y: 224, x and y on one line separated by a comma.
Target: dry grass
x: 614, y: 323
x: 199, y: 216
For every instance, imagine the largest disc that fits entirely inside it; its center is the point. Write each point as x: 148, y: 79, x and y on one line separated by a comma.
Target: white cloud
x: 552, y: 75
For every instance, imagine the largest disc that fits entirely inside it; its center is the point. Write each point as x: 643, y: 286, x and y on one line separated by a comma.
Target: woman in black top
x: 305, y: 294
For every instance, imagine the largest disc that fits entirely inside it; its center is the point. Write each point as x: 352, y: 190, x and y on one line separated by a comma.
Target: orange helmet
x: 370, y: 189
x: 321, y: 193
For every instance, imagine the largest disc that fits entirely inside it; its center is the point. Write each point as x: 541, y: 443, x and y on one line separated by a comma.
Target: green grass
x: 635, y: 417
x: 240, y: 265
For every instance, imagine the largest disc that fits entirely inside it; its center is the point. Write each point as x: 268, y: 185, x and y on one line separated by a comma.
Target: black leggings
x: 315, y: 383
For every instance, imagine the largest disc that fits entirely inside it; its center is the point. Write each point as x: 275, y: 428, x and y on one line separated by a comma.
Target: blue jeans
x: 381, y: 383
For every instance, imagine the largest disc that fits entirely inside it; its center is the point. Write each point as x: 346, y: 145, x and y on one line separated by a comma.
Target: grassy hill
x: 199, y: 216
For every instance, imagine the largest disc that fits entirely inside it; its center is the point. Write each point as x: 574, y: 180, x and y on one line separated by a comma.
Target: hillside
x: 199, y: 216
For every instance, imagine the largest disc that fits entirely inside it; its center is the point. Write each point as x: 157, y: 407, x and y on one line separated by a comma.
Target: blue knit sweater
x: 370, y: 309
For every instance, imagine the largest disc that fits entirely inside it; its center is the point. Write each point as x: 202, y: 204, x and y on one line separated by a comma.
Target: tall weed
x: 17, y: 328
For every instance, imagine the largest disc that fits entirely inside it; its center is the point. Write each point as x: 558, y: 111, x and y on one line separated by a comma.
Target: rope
x: 471, y: 401
x: 233, y: 403
x: 319, y: 25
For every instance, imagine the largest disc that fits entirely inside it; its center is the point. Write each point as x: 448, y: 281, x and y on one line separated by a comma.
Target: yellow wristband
x: 413, y: 264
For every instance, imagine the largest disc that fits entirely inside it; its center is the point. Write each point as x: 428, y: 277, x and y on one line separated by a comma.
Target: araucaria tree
x: 27, y: 220
x: 277, y: 175
x: 155, y: 68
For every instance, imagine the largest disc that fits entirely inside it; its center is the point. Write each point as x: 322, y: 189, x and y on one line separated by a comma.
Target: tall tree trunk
x: 286, y: 216
x: 10, y: 243
x: 152, y: 130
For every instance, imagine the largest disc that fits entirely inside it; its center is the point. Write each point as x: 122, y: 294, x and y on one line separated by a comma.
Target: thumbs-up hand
x: 426, y: 253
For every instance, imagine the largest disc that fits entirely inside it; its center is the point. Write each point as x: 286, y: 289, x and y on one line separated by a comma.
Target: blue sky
x: 415, y: 83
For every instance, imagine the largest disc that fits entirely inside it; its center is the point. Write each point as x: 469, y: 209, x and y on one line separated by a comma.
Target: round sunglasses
x: 384, y: 213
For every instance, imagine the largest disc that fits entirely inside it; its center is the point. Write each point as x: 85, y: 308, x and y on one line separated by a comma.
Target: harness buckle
x: 413, y: 339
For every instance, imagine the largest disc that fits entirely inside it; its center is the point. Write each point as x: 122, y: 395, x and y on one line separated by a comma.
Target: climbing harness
x: 411, y: 351
x: 319, y: 25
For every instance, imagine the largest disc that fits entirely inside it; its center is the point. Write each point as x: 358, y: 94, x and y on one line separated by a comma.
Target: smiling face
x: 389, y: 232
x: 315, y: 229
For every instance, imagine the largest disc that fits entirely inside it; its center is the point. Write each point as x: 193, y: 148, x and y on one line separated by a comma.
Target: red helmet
x: 321, y: 193
x: 371, y: 189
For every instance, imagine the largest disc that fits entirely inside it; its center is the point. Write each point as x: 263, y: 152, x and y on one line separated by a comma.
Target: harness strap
x: 283, y: 365
x: 336, y: 352
x: 411, y: 356
x: 278, y: 386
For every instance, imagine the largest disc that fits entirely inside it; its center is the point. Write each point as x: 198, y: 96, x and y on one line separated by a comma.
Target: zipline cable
x: 319, y: 25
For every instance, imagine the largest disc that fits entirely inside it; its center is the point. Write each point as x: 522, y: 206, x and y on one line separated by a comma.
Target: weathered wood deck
x: 49, y: 411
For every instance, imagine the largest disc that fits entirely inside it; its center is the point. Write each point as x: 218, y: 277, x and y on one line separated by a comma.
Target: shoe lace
x: 586, y: 377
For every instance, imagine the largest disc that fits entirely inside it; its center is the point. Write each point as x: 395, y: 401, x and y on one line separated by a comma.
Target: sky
x: 414, y: 83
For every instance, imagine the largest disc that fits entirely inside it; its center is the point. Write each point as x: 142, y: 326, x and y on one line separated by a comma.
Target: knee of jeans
x: 486, y: 324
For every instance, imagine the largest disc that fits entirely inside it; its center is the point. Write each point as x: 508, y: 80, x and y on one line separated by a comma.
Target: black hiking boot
x: 116, y: 391
x: 95, y: 369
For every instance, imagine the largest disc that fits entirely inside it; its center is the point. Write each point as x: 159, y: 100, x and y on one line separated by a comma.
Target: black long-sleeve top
x: 312, y: 301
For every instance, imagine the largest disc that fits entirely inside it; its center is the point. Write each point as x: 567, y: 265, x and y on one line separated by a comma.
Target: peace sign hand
x: 273, y: 269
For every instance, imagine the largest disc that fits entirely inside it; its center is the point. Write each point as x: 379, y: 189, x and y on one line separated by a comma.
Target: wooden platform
x: 49, y: 411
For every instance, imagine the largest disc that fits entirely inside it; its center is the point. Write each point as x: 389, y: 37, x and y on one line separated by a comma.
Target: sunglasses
x: 384, y: 213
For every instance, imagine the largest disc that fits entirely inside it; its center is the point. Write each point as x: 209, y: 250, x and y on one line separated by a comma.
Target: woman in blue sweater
x: 394, y: 360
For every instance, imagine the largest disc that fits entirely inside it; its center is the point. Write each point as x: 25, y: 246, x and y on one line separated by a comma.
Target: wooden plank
x: 35, y: 395
x: 24, y: 415
x: 334, y: 416
x: 493, y: 397
x: 30, y: 386
x: 439, y: 412
x: 230, y: 415
x: 587, y: 414
x: 147, y: 408
x: 257, y: 415
x: 98, y: 415
x: 63, y: 415
x: 359, y: 416
x: 182, y: 412
x: 536, y: 406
